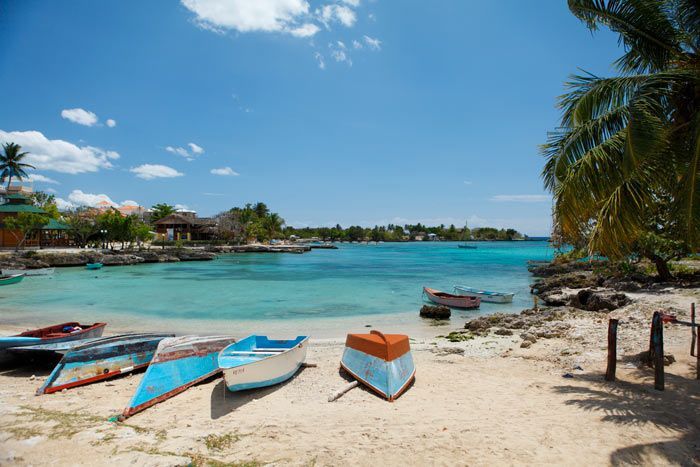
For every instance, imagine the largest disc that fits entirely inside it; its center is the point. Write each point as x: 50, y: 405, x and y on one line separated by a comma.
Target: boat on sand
x: 102, y: 359
x: 258, y: 361
x: 382, y: 362
x: 179, y: 362
x: 450, y: 300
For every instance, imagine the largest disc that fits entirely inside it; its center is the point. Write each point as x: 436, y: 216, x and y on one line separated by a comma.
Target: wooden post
x: 693, y: 338
x: 697, y: 353
x: 650, y: 357
x: 658, y: 341
x: 612, y: 350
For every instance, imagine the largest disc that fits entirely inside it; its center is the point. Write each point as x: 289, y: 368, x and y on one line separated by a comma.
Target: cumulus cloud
x: 80, y: 116
x: 335, y: 13
x: 190, y: 154
x: 372, y: 43
x: 80, y: 198
x: 352, y: 3
x: 41, y: 179
x: 356, y: 44
x: 181, y: 207
x: 286, y: 16
x: 59, y: 155
x: 521, y: 198
x: 151, y: 171
x: 339, y: 53
x: 64, y: 205
x: 111, y: 123
x: 321, y: 62
x: 225, y: 171
x: 129, y: 202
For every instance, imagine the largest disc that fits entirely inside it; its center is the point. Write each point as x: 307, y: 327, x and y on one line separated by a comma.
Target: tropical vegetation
x: 11, y: 164
x: 623, y: 165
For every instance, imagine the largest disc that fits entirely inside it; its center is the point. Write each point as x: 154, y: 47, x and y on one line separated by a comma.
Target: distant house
x: 432, y: 237
x: 53, y: 234
x: 183, y: 226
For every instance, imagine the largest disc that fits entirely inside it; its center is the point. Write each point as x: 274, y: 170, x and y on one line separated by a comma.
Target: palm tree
x: 11, y: 164
x: 273, y: 224
x: 629, y: 144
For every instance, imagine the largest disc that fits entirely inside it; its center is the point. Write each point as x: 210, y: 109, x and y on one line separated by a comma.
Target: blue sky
x: 346, y: 111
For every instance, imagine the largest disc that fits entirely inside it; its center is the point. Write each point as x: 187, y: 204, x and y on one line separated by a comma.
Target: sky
x: 348, y: 111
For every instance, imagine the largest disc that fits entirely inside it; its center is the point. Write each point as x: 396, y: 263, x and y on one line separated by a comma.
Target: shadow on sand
x: 677, y: 409
x: 224, y: 402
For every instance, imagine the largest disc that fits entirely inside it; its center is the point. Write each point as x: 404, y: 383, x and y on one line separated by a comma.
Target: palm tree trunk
x: 662, y: 268
x: 9, y: 180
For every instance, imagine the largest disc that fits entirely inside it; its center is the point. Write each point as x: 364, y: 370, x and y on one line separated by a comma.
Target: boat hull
x: 180, y: 362
x: 485, y: 296
x: 274, y: 369
x: 28, y: 272
x: 102, y: 359
x: 93, y: 266
x: 452, y: 301
x: 9, y: 280
x: 388, y: 379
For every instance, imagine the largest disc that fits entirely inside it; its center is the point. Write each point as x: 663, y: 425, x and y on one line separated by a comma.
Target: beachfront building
x: 185, y: 226
x: 53, y: 234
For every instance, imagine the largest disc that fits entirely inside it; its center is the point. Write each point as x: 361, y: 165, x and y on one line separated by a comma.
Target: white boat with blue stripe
x: 258, y: 361
x: 484, y: 295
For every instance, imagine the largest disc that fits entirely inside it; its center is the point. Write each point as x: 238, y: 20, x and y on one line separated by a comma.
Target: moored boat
x: 179, y: 363
x: 382, y: 362
x: 93, y: 266
x: 453, y: 301
x: 102, y: 359
x: 484, y: 295
x: 467, y: 246
x: 258, y: 361
x: 64, y: 332
x: 28, y: 272
x: 11, y: 279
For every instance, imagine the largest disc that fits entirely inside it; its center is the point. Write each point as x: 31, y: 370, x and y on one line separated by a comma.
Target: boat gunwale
x: 270, y: 357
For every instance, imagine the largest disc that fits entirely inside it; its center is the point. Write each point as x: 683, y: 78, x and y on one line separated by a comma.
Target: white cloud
x: 352, y: 3
x: 41, y: 179
x: 305, y: 30
x: 372, y: 43
x: 59, y: 155
x: 79, y: 198
x: 251, y: 16
x: 151, y: 171
x: 521, y: 198
x: 467, y: 182
x: 63, y: 205
x: 341, y: 56
x: 336, y: 13
x: 129, y: 202
x: 80, y: 116
x: 356, y: 44
x: 111, y: 123
x: 181, y: 207
x: 226, y: 171
x: 320, y: 60
x: 195, y: 149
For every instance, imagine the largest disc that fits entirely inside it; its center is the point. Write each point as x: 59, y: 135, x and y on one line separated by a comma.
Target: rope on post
x: 612, y: 350
x: 657, y: 337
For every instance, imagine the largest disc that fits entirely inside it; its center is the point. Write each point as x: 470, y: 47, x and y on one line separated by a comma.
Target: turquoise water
x: 356, y: 285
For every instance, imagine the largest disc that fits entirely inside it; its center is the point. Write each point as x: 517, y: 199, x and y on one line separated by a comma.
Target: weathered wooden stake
x: 650, y: 357
x: 657, y: 326
x: 693, y: 338
x: 336, y: 395
x: 697, y: 352
x: 612, y: 350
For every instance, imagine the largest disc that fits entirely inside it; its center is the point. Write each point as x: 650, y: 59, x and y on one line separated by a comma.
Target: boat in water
x: 101, y: 359
x: 451, y: 300
x: 28, y: 272
x: 11, y: 279
x: 93, y: 266
x: 464, y: 243
x: 467, y: 246
x: 382, y: 362
x: 179, y: 362
x: 57, y: 333
x: 484, y: 295
x: 258, y: 361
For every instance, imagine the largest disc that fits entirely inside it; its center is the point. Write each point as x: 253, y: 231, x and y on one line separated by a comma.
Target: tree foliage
x: 11, y: 164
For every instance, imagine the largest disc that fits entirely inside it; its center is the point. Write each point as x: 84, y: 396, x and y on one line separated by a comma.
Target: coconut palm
x: 630, y: 143
x: 11, y: 164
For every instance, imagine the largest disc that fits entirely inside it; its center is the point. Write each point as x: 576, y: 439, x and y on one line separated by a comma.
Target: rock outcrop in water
x: 42, y: 259
x: 435, y: 312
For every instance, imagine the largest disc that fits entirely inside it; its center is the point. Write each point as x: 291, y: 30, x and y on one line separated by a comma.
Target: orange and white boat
x: 453, y: 301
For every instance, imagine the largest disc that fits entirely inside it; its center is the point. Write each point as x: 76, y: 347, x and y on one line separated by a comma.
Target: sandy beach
x: 484, y: 401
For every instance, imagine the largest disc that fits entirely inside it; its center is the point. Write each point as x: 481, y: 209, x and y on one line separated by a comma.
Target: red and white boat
x: 453, y: 301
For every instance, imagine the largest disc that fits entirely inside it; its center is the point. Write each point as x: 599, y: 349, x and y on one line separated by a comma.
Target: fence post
x: 657, y: 334
x: 693, y: 338
x: 612, y: 350
x: 697, y: 353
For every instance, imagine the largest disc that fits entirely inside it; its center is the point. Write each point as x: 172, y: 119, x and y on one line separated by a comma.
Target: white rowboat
x: 28, y: 272
x: 484, y: 295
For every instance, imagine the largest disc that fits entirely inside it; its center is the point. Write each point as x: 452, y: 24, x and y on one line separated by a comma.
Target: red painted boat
x: 453, y: 301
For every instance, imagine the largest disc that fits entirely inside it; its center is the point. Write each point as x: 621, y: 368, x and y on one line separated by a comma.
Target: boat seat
x: 265, y: 349
x: 248, y: 352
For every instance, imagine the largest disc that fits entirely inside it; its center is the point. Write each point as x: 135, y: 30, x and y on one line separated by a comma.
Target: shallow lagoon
x: 324, y: 292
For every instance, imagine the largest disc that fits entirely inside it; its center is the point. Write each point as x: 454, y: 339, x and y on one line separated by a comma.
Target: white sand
x: 494, y: 404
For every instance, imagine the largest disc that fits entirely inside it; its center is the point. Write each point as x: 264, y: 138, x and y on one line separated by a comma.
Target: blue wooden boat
x: 258, y: 361
x: 382, y: 362
x: 93, y: 266
x: 101, y: 359
x: 64, y: 332
x: 484, y: 295
x: 11, y: 279
x: 179, y: 363
x: 466, y: 246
